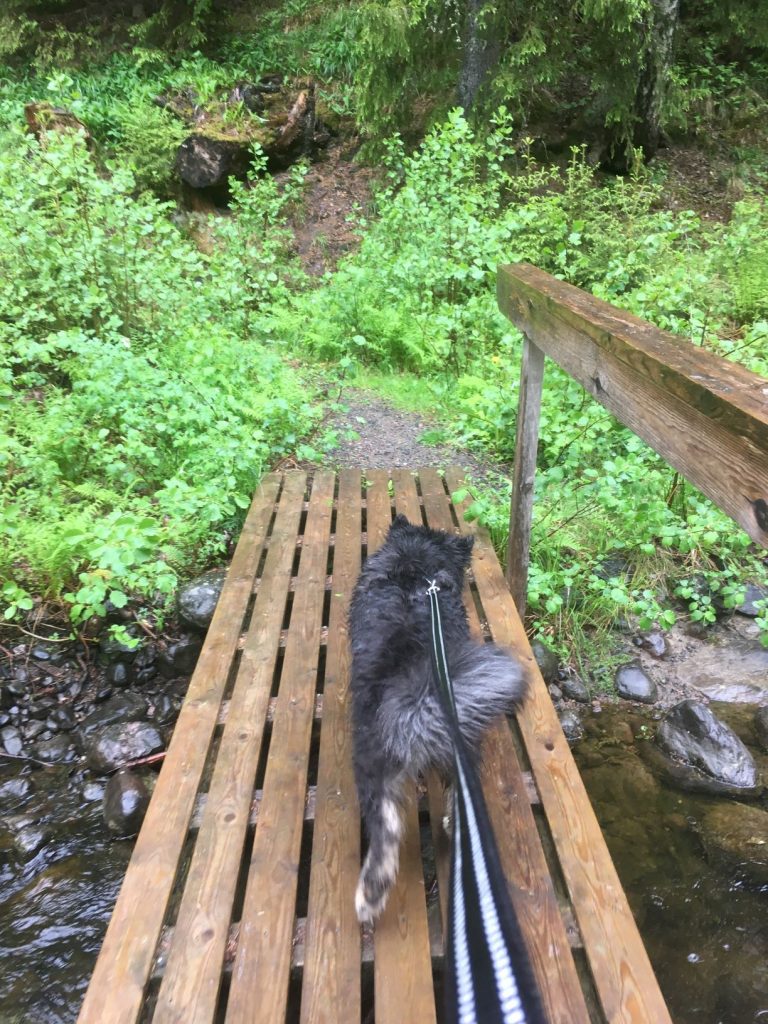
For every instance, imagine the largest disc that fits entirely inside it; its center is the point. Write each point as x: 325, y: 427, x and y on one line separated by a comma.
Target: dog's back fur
x: 399, y: 726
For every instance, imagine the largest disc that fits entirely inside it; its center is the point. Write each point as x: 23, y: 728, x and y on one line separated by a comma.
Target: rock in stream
x: 706, y: 754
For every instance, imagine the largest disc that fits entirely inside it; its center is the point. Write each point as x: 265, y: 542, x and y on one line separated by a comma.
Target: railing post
x: 526, y: 445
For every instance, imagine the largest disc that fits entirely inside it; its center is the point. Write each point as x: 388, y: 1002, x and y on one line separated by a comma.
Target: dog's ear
x: 463, y: 545
x: 400, y: 522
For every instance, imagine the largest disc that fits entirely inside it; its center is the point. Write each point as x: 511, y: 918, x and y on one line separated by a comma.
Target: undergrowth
x: 138, y: 404
x: 616, y: 532
x: 143, y: 386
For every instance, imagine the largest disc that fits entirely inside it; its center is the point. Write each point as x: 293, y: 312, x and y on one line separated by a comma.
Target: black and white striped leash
x: 489, y: 979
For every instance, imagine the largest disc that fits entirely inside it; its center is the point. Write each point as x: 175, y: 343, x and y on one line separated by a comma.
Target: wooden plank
x: 192, y: 975
x: 624, y: 979
x: 517, y: 837
x: 259, y: 986
x: 524, y: 476
x: 331, y: 980
x: 706, y: 416
x: 298, y: 949
x: 124, y: 964
x: 402, y: 966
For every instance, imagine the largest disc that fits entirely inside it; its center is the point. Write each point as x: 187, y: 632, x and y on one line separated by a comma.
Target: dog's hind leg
x: 382, y: 814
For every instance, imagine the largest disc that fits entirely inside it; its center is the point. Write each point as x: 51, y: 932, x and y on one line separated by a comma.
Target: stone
x: 126, y: 799
x: 32, y: 730
x: 613, y: 567
x: 197, y: 600
x: 632, y: 683
x: 655, y: 643
x: 55, y: 653
x: 180, y: 658
x: 571, y: 726
x: 733, y: 693
x: 575, y: 689
x: 692, y: 734
x: 42, y: 708
x: 10, y: 737
x: 43, y: 118
x: 737, y: 835
x: 112, y: 650
x: 761, y: 727
x: 119, y: 674
x: 698, y: 630
x: 72, y: 689
x: 62, y: 717
x: 29, y: 840
x: 93, y: 791
x: 56, y: 750
x: 547, y: 661
x: 742, y: 988
x: 162, y: 709
x: 122, y: 707
x: 555, y: 693
x: 145, y: 664
x: 753, y: 593
x: 17, y: 685
x: 14, y: 792
x: 117, y: 744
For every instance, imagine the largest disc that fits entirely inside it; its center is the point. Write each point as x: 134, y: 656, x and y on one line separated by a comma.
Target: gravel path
x: 388, y: 438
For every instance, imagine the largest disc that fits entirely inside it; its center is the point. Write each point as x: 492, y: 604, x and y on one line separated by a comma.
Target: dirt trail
x: 335, y: 187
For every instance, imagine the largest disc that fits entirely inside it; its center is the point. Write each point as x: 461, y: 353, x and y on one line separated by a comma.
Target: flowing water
x: 54, y: 909
x: 705, y: 926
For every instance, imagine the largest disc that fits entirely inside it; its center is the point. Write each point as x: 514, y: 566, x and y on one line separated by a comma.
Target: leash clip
x: 433, y: 587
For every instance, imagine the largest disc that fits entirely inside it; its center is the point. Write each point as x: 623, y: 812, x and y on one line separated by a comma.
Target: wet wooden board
x: 238, y: 901
x: 624, y: 980
x: 705, y: 415
x: 331, y: 982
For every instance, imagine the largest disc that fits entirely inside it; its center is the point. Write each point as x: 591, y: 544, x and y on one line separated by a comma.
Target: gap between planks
x: 299, y: 940
x: 309, y: 803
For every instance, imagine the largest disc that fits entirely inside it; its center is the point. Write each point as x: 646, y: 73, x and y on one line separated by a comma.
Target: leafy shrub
x: 136, y: 411
x: 419, y: 296
x: 149, y: 140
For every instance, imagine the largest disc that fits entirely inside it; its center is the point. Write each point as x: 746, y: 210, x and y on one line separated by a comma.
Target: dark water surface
x: 54, y: 910
x: 705, y: 926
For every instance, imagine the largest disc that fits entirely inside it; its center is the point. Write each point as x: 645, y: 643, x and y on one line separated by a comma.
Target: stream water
x: 704, y: 924
x: 54, y: 909
x: 705, y: 927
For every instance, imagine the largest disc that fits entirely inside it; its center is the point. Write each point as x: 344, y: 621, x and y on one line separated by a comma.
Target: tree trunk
x: 482, y: 49
x: 654, y: 73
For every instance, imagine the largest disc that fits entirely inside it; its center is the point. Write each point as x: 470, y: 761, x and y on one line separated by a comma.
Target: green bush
x: 419, y: 296
x: 139, y: 403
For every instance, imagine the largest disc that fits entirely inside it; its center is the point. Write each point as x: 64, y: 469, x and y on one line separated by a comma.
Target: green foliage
x: 148, y: 143
x: 139, y: 401
x: 419, y: 296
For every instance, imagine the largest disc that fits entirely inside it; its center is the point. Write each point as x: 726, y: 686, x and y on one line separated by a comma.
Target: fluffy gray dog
x: 399, y: 727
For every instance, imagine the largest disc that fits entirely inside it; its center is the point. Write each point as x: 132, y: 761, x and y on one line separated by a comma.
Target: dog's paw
x: 367, y: 907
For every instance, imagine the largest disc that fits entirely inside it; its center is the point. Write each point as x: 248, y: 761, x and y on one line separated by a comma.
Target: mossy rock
x: 736, y: 835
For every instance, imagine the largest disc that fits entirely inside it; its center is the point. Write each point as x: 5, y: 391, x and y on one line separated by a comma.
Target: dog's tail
x: 487, y: 682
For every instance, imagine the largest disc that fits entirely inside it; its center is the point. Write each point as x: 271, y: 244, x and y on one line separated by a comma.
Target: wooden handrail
x: 706, y: 416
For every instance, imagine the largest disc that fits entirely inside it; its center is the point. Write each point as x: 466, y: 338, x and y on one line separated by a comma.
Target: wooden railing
x: 707, y: 417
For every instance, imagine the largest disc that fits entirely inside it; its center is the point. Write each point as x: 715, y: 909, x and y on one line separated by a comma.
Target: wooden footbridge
x: 238, y: 902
